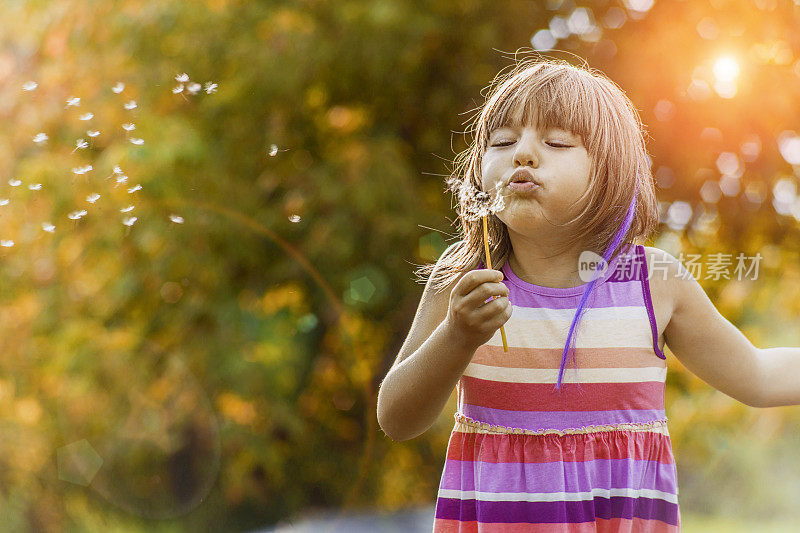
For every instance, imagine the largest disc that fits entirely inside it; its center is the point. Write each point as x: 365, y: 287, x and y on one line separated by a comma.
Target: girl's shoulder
x: 664, y: 274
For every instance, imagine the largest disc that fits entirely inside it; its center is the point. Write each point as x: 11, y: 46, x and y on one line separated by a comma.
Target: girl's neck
x: 556, y: 271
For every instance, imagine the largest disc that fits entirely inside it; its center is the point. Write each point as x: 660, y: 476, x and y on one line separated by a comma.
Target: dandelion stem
x: 489, y: 265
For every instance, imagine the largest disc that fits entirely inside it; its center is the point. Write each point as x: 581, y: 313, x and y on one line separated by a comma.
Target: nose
x: 525, y: 154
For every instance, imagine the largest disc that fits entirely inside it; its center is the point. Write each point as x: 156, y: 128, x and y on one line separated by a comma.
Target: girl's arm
x: 416, y: 389
x: 711, y: 347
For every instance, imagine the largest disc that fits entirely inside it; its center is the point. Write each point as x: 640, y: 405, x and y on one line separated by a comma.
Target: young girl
x: 536, y: 447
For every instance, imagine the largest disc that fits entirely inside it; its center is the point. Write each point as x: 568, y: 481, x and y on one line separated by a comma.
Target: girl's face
x: 556, y: 158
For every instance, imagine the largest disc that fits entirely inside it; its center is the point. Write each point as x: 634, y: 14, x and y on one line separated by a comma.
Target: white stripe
x: 610, y: 327
x: 555, y: 496
x: 590, y: 313
x: 550, y: 375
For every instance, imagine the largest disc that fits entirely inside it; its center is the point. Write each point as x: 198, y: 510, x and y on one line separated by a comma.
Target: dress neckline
x: 559, y: 291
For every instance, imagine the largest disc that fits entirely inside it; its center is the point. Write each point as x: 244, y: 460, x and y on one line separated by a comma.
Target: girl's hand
x: 479, y: 305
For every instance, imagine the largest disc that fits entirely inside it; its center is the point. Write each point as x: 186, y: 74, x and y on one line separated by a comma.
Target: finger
x: 475, y: 278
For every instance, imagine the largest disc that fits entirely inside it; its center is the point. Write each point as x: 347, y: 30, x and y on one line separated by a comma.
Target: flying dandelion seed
x: 129, y: 221
x: 126, y: 209
x: 118, y: 88
x: 131, y: 105
x: 75, y: 100
x: 92, y: 198
x: 178, y: 89
x: 81, y: 143
x: 29, y: 86
x: 35, y: 186
x: 92, y: 133
x: 194, y: 87
x: 40, y: 138
x: 210, y: 87
x: 129, y: 126
x: 117, y: 169
x: 135, y: 188
x: 294, y: 218
x: 182, y: 77
x: 137, y: 142
x: 82, y: 170
x: 75, y: 215
x: 14, y: 183
x: 48, y: 227
x: 87, y: 116
x: 121, y: 179
x: 7, y: 244
x: 4, y: 201
x: 176, y: 219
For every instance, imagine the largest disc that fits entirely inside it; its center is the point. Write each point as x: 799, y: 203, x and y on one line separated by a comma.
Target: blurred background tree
x: 220, y: 373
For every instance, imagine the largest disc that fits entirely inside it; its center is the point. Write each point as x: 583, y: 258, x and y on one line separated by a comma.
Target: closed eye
x: 557, y: 145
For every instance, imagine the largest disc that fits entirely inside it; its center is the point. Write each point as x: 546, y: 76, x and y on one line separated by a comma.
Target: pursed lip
x: 522, y: 174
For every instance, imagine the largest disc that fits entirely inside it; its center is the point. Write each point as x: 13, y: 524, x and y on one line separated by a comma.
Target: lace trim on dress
x: 475, y: 426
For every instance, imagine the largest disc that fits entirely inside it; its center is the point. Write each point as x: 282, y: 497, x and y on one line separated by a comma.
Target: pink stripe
x: 519, y: 448
x: 646, y: 395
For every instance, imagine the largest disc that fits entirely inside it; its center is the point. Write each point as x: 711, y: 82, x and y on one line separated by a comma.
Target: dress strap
x: 648, y: 301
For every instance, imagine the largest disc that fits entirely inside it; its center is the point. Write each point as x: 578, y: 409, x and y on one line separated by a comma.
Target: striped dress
x: 597, y: 457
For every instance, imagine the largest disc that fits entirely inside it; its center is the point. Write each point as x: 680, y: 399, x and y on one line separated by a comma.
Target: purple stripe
x: 566, y: 476
x: 648, y: 301
x: 611, y: 294
x: 536, y: 420
x: 557, y: 512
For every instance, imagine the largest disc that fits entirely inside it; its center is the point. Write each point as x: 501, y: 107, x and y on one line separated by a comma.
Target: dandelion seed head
x: 92, y: 198
x: 7, y: 243
x: 176, y: 219
x: 40, y: 138
x: 29, y: 85
x: 177, y: 89
x: 14, y: 183
x: 122, y: 179
x: 81, y: 143
x: 75, y: 215
x: 182, y: 77
x: 86, y: 116
x: 210, y: 87
x: 118, y: 88
x: 131, y: 105
x: 126, y: 209
x: 294, y: 218
x: 129, y: 221
x: 194, y: 87
x: 478, y: 204
x: 48, y: 227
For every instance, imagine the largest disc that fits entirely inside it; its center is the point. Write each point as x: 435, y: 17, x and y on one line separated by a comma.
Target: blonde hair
x: 579, y: 100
